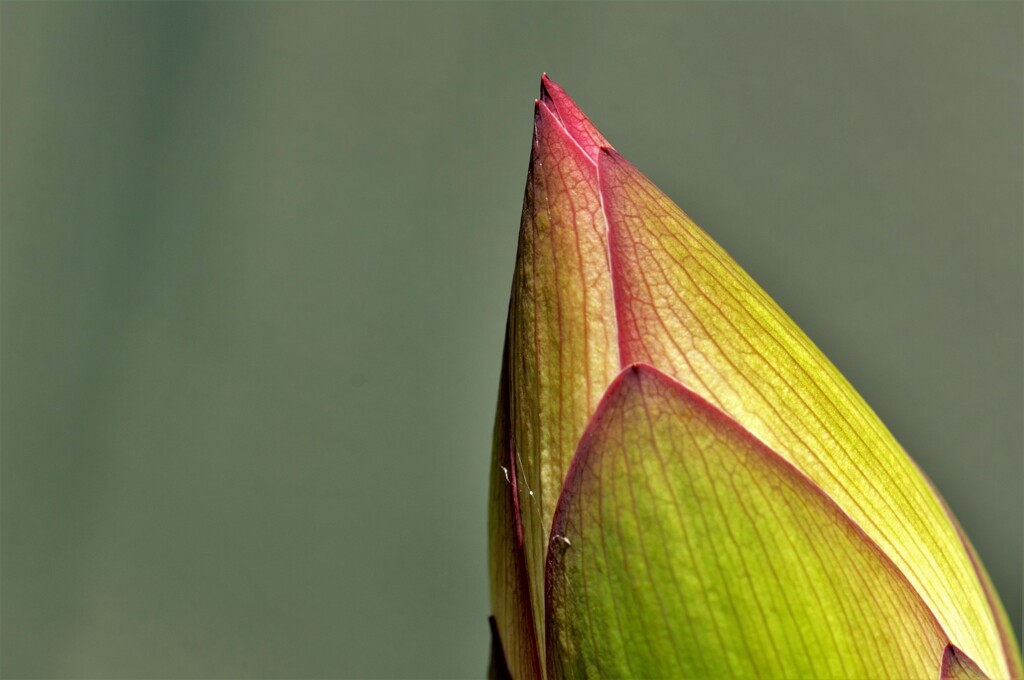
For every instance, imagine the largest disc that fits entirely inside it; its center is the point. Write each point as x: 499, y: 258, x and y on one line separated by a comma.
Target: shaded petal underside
x: 513, y: 627
x: 958, y: 666
x: 684, y: 547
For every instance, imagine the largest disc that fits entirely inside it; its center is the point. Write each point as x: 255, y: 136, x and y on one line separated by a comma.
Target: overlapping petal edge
x: 663, y: 293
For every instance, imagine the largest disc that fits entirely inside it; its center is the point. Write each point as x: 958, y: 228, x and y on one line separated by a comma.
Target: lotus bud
x: 683, y: 485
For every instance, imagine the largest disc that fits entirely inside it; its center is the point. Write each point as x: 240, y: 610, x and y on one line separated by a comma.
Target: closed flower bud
x: 683, y: 485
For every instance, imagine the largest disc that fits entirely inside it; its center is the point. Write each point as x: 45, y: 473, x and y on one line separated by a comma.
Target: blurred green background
x: 255, y: 267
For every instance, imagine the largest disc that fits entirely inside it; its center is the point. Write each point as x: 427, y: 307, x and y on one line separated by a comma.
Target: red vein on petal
x: 640, y: 537
x: 732, y: 539
x: 664, y: 539
x: 553, y: 243
x: 605, y: 462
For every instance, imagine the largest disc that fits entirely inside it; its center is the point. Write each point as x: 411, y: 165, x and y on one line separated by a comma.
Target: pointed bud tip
x: 542, y: 110
x: 550, y: 92
x: 543, y: 114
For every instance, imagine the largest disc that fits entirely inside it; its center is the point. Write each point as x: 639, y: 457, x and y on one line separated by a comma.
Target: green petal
x: 685, y: 306
x: 684, y: 547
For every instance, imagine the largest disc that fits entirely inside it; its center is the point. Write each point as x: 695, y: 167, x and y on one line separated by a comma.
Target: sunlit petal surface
x: 685, y: 306
x: 684, y: 547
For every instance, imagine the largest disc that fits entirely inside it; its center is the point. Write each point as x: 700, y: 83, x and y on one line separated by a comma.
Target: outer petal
x: 514, y: 643
x: 561, y: 354
x: 684, y: 547
x: 686, y: 307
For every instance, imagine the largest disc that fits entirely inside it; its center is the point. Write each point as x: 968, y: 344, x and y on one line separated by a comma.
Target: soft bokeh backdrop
x: 255, y: 267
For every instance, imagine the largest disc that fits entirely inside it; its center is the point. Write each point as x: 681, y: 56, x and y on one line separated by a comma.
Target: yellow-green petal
x: 684, y: 547
x: 686, y: 307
